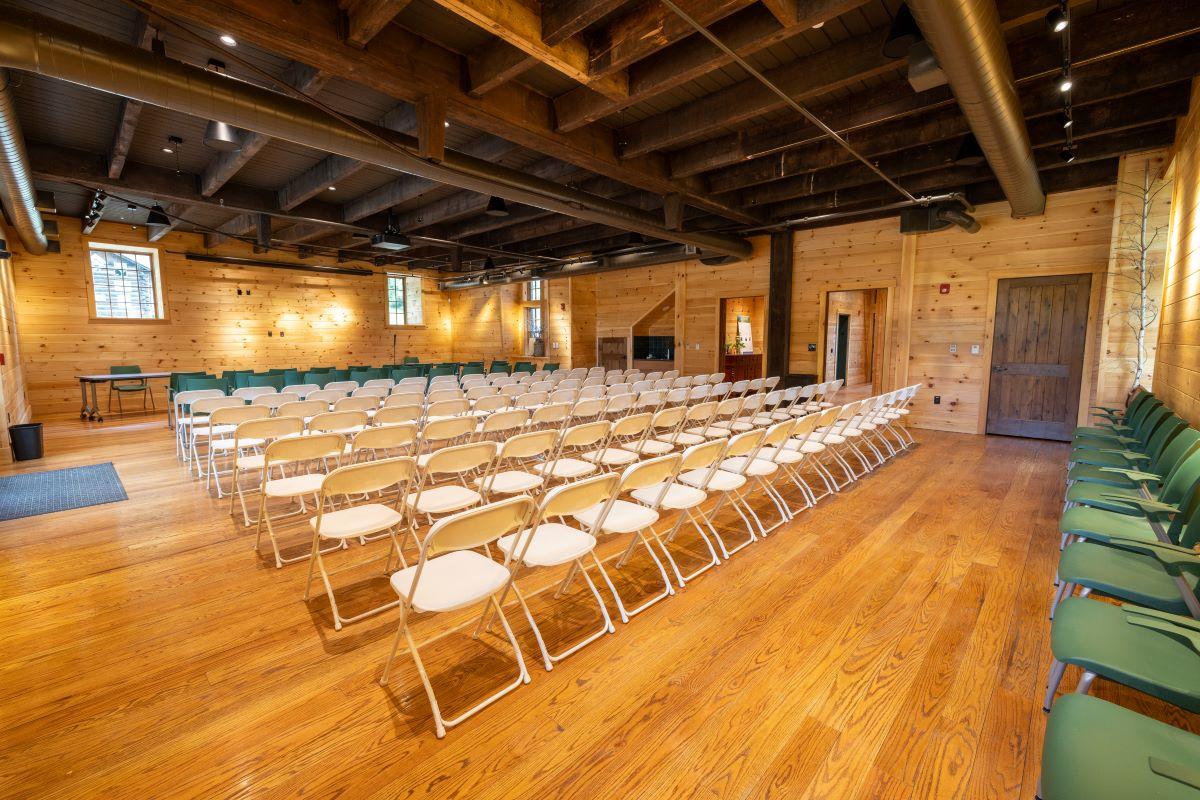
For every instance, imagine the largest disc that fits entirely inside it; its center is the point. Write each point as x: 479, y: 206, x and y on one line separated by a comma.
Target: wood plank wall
x: 14, y: 401
x: 1177, y: 375
x: 325, y: 319
x: 488, y: 323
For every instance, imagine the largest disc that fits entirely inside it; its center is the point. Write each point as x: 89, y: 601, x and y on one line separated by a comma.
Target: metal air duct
x: 967, y: 39
x: 16, y: 186
x: 45, y: 46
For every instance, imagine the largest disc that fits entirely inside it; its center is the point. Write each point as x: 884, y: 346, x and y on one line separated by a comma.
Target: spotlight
x: 222, y: 136
x: 228, y: 40
x: 819, y: 25
x: 333, y: 188
x: 1057, y: 20
x: 1065, y: 84
x: 496, y: 207
x: 446, y: 124
x: 172, y: 144
x: 1064, y: 118
x: 1067, y: 154
x: 157, y: 216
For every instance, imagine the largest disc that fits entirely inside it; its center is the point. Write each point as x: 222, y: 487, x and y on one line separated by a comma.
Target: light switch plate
x: 953, y: 348
x: 976, y: 349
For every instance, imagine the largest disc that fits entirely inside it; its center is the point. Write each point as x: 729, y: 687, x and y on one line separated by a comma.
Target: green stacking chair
x: 443, y: 369
x: 361, y: 375
x: 123, y: 388
x: 1122, y: 451
x: 1100, y: 751
x: 472, y: 369
x: 358, y: 368
x: 319, y: 377
x: 1144, y: 483
x: 400, y: 373
x: 1111, y: 416
x: 499, y: 366
x: 274, y: 381
x: 412, y: 360
x: 1153, y: 574
x: 523, y: 366
x: 292, y: 377
x: 550, y: 366
x: 1138, y: 516
x: 175, y: 384
x: 1153, y: 651
x: 1103, y: 436
x: 207, y: 382
x: 337, y: 375
x: 1163, y: 447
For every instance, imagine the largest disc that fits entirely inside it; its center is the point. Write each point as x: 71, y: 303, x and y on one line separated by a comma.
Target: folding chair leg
x: 1065, y: 590
x: 1057, y: 668
x: 550, y: 660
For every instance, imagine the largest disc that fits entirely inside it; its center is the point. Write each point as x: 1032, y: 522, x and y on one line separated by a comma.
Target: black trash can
x: 26, y: 441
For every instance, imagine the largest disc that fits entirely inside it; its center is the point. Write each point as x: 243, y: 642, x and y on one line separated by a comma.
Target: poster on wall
x: 743, y: 333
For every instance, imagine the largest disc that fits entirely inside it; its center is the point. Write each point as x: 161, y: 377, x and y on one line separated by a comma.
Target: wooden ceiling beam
x: 131, y: 110
x: 302, y: 77
x: 1042, y: 98
x: 521, y: 27
x: 747, y: 32
x: 786, y: 11
x: 649, y: 26
x: 562, y: 19
x: 497, y: 63
x: 768, y: 152
x: 402, y: 65
x: 1097, y: 36
x: 366, y: 18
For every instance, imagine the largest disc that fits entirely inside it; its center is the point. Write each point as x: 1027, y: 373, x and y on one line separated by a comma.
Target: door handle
x: 999, y: 369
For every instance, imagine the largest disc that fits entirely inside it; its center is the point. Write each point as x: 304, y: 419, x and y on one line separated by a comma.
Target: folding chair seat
x: 506, y: 476
x: 429, y: 499
x: 444, y: 433
x: 567, y: 463
x: 449, y: 576
x: 657, y: 440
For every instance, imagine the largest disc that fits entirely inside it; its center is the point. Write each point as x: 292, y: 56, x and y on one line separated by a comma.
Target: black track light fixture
x: 157, y: 216
x: 969, y: 154
x: 903, y: 34
x: 1057, y: 19
x: 1064, y: 118
x: 1067, y: 154
x: 496, y: 207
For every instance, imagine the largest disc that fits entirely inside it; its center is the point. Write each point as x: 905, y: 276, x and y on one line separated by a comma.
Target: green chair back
x: 318, y: 377
x: 337, y: 375
x: 399, y: 373
x: 130, y: 386
x: 274, y: 381
x: 523, y: 366
x: 472, y: 369
x: 412, y: 360
x: 177, y: 379
x: 291, y: 377
x: 364, y: 375
x: 194, y: 383
x: 499, y: 366
x: 550, y: 366
x: 443, y: 369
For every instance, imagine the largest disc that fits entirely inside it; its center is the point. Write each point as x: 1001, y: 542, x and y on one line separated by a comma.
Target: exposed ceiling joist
x: 365, y: 18
x: 404, y: 66
x: 497, y: 63
x: 131, y: 110
x: 562, y: 19
x: 521, y: 27
x: 747, y: 31
x: 302, y: 77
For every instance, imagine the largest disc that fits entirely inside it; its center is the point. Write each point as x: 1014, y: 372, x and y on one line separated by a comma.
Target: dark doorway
x: 843, y: 346
x: 1037, y: 356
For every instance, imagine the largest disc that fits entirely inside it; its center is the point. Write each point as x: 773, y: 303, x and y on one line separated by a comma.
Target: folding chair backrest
x: 441, y: 430
x: 394, y: 415
x: 273, y: 401
x: 303, y: 408
x: 651, y: 399
x: 778, y: 433
x: 385, y: 438
x: 620, y: 388
x: 701, y: 412
x: 366, y: 477
x: 513, y: 389
x: 250, y: 392
x: 716, y: 377
x: 449, y: 408
x: 339, y: 421
x: 631, y: 426
x: 268, y: 428
x: 383, y: 383
x: 650, y: 472
x: 505, y: 421
x: 341, y: 386
x: 620, y: 403
x: 699, y: 456
x: 573, y: 498
x: 744, y: 443
x: 587, y: 408
x: 477, y: 526
x: 530, y: 399
x: 528, y: 445
x: 326, y: 395
x: 585, y: 435
x: 592, y: 392
x: 492, y: 403
x: 207, y: 405
x: 460, y: 458
x: 232, y: 415
x: 369, y: 403
x: 476, y: 392
x: 302, y: 389
x: 371, y: 391
x: 305, y: 448
x: 669, y: 418
x: 187, y: 398
x: 404, y: 399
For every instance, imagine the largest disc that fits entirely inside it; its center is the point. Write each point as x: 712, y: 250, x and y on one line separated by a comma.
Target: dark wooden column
x: 779, y: 304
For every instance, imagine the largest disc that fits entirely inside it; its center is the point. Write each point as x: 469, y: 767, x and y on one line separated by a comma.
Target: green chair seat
x: 1095, y: 495
x: 1101, y: 458
x: 1090, y: 473
x: 1132, y: 577
x: 1100, y: 751
x: 550, y: 366
x: 1100, y: 525
x: 1098, y: 637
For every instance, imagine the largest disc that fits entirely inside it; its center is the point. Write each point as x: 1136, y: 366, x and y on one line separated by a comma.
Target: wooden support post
x: 431, y: 128
x: 262, y: 233
x: 779, y: 304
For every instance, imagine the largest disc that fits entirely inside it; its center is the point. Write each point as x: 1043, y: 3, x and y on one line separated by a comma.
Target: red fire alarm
x: 943, y: 288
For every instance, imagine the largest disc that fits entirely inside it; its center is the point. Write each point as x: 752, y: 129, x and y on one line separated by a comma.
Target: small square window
x: 404, y: 300
x: 125, y: 282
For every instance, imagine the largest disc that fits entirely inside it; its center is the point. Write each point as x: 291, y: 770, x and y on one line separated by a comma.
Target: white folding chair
x: 303, y: 454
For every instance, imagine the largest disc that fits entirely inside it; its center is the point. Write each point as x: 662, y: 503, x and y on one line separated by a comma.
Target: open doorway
x: 741, y: 337
x: 854, y: 340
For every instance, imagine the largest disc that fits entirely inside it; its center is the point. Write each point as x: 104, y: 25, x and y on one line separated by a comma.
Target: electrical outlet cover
x: 953, y: 348
x: 976, y: 349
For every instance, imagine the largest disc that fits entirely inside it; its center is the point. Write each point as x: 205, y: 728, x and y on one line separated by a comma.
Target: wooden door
x: 1037, y: 356
x: 843, y: 346
x: 614, y: 352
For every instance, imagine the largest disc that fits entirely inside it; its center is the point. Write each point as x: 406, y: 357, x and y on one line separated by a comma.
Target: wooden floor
x: 890, y: 643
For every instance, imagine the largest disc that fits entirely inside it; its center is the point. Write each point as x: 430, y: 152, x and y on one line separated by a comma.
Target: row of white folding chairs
x: 650, y: 484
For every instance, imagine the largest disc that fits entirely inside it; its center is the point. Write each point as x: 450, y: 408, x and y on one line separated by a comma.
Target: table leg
x: 83, y: 407
x: 96, y: 404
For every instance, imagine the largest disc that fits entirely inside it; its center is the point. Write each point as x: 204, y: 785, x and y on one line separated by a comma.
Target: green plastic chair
x: 1102, y: 437
x: 400, y: 373
x: 337, y: 375
x: 443, y: 369
x: 1161, y: 458
x: 499, y: 366
x: 123, y: 388
x: 175, y: 383
x: 550, y: 366
x: 472, y: 369
x: 274, y: 381
x: 291, y: 377
x: 1111, y: 416
x: 318, y: 377
x: 209, y: 382
x: 412, y: 360
x: 361, y: 375
x: 1126, y: 449
x: 523, y: 366
x: 1138, y: 517
x: 1152, y: 479
x: 1100, y: 751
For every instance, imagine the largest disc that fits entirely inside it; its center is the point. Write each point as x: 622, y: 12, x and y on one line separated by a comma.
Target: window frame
x: 541, y: 291
x: 387, y: 303
x: 160, y: 292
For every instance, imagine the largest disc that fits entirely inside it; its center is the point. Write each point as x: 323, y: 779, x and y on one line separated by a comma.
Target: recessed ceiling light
x: 228, y: 40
